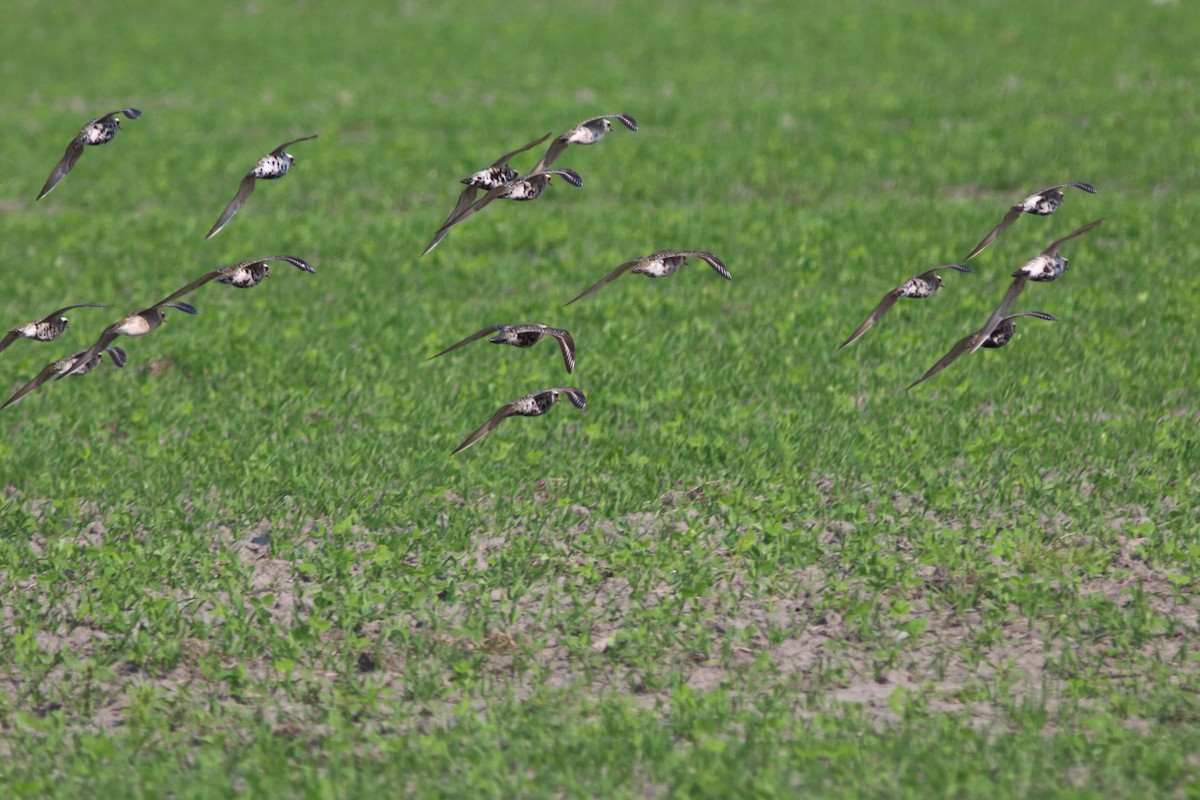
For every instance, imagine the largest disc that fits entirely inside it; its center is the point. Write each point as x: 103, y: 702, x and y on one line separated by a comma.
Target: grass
x: 754, y: 566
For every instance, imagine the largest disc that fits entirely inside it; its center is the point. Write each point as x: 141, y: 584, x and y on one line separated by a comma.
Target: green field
x: 754, y: 566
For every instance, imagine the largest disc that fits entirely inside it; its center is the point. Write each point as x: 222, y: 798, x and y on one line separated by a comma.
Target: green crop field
x: 754, y: 565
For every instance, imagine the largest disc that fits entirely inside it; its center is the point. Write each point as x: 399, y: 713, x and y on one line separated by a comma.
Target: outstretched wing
x: 574, y: 395
x: 502, y: 160
x: 118, y: 356
x: 1014, y: 291
x: 64, y: 165
x: 964, y: 344
x: 1053, y: 248
x: 102, y: 343
x: 244, y: 190
x: 48, y: 371
x: 64, y: 309
x: 279, y: 150
x: 8, y: 339
x: 609, y: 278
x: 886, y: 303
x: 1087, y: 187
x: 567, y: 344
x: 468, y: 340
x: 1038, y: 314
x: 191, y: 287
x: 131, y: 113
x: 1009, y: 219
x: 929, y: 273
x: 506, y: 410
x: 298, y: 263
x: 705, y: 256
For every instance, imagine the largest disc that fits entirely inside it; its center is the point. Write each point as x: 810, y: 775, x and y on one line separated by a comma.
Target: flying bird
x: 524, y: 187
x: 1046, y: 266
x: 587, y: 132
x: 658, y: 265
x: 242, y: 275
x: 917, y: 287
x: 998, y: 338
x: 498, y: 174
x: 533, y: 404
x: 524, y: 335
x: 139, y: 323
x: 1040, y: 204
x: 98, y: 131
x: 46, y: 329
x: 69, y: 365
x: 272, y: 166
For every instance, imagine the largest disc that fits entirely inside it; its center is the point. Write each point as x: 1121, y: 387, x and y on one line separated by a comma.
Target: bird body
x: 67, y: 366
x: 1039, y: 204
x: 46, y: 329
x: 100, y: 130
x: 1001, y: 335
x: 522, y: 335
x: 272, y: 166
x: 918, y: 287
x: 587, y: 132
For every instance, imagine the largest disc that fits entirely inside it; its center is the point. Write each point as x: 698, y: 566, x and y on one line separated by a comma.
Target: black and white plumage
x: 587, y: 132
x: 98, y: 131
x: 658, y: 265
x: 242, y: 275
x: 533, y: 404
x: 498, y: 173
x: 1046, y: 266
x: 67, y: 366
x: 46, y: 329
x: 525, y: 187
x: 522, y: 335
x: 272, y: 166
x: 139, y: 323
x: 917, y: 287
x: 999, y: 337
x: 1040, y: 204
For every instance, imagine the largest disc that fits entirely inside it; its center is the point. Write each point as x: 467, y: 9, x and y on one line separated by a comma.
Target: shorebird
x: 272, y: 166
x: 46, y: 329
x: 98, y: 131
x: 1046, y: 266
x: 525, y: 187
x: 524, y: 335
x: 917, y: 287
x: 242, y: 275
x: 65, y: 366
x: 658, y: 265
x: 998, y: 338
x: 139, y: 323
x: 533, y: 404
x: 1041, y: 204
x: 497, y: 174
x: 587, y: 132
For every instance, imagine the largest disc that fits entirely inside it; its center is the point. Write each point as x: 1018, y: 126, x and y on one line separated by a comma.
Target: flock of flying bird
x: 500, y: 181
x: 999, y: 328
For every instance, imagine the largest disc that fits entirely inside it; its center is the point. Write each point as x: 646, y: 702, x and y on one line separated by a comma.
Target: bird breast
x: 590, y: 134
x: 272, y: 166
x: 101, y: 131
x: 1004, y: 331
x: 1043, y: 268
x: 245, y: 277
x: 527, y: 189
x: 138, y: 325
x: 491, y: 177
x: 661, y: 267
x: 1042, y: 205
x: 918, y: 288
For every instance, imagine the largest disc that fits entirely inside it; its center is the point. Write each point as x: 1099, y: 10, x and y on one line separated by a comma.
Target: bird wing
x: 298, y: 263
x: 191, y: 287
x: 102, y: 343
x: 117, y: 355
x: 574, y: 395
x: 567, y: 344
x: 8, y: 339
x: 502, y: 160
x: 64, y: 165
x: 279, y: 150
x: 1009, y: 219
x: 887, y: 302
x: 609, y: 278
x: 556, y: 148
x: 47, y: 372
x: 244, y: 190
x: 131, y: 113
x: 65, y: 309
x: 1087, y: 187
x: 929, y: 273
x: 506, y: 410
x: 705, y: 256
x: 1053, y: 248
x: 1038, y: 314
x: 963, y: 345
x: 1010, y: 297
x: 468, y: 340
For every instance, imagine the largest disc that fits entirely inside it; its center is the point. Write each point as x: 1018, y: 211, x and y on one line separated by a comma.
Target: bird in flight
x: 272, y: 166
x: 524, y: 335
x: 98, y: 131
x: 587, y: 132
x: 1046, y: 266
x: 242, y: 275
x: 658, y: 265
x: 69, y: 365
x: 533, y: 404
x: 1040, y: 204
x: 524, y: 187
x: 46, y: 329
x: 139, y: 323
x: 490, y: 177
x: 917, y: 287
x: 998, y: 338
